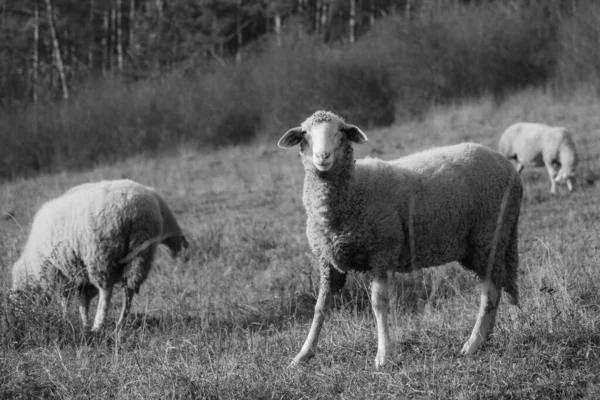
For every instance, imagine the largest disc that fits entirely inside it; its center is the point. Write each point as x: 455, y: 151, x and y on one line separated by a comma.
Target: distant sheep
x: 536, y: 145
x: 458, y: 203
x: 94, y: 236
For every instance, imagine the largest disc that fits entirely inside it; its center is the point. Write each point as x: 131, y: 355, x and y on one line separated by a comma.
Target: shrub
x: 400, y: 68
x: 578, y: 60
x: 447, y: 53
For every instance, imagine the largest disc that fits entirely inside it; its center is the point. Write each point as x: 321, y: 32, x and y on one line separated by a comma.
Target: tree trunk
x: 372, y: 12
x: 119, y: 38
x: 238, y: 29
x: 56, y: 49
x: 130, y: 44
x: 217, y: 40
x: 105, y: 35
x: 352, y: 22
x: 325, y: 19
x: 36, y: 52
x: 113, y: 37
x: 277, y: 29
x: 318, y: 10
x: 159, y: 8
x: 90, y: 55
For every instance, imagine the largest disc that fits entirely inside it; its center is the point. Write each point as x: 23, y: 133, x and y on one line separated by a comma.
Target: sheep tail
x: 136, y: 251
x: 500, y: 219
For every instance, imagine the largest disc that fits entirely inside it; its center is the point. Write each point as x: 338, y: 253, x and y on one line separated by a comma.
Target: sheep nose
x: 324, y: 155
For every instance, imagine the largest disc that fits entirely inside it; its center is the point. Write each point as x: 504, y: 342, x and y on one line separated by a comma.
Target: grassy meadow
x: 227, y: 323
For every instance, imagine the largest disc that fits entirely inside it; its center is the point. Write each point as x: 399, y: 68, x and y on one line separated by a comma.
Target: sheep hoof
x: 295, y: 364
x: 302, y: 358
x: 380, y: 361
x: 469, y: 348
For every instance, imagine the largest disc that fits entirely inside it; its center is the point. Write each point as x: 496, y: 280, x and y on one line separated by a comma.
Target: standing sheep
x: 536, y: 145
x: 451, y: 203
x: 94, y: 236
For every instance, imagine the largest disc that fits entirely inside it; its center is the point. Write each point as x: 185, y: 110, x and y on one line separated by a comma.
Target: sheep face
x: 177, y: 246
x: 567, y: 176
x: 323, y: 139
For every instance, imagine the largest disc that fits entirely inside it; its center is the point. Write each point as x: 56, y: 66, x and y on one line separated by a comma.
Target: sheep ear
x: 291, y: 138
x: 354, y: 134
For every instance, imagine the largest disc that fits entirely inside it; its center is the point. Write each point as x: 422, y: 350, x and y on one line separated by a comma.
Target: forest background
x: 91, y: 81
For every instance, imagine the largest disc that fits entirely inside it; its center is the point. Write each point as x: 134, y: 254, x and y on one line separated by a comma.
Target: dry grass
x: 225, y: 324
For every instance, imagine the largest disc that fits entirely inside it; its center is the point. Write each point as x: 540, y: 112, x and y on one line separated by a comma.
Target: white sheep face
x: 566, y: 176
x: 320, y: 143
x: 321, y: 137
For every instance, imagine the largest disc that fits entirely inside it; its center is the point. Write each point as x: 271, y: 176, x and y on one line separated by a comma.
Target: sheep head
x: 178, y: 246
x: 323, y: 138
x: 567, y: 175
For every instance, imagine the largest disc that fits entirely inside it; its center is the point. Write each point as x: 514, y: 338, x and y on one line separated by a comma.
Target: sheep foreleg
x: 519, y: 166
x: 331, y: 281
x: 379, y: 303
x: 128, y: 291
x: 553, y: 174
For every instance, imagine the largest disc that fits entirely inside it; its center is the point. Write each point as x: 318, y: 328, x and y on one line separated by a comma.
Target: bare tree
x: 324, y: 18
x: 90, y: 55
x: 277, y: 28
x: 238, y: 32
x: 131, y: 27
x: 160, y: 7
x: 36, y: 52
x: 119, y: 36
x: 56, y: 49
x: 352, y: 22
x: 112, y: 37
x: 318, y: 11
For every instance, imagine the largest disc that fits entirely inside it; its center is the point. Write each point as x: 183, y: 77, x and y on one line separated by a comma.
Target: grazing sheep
x: 458, y: 203
x: 94, y: 236
x: 536, y: 145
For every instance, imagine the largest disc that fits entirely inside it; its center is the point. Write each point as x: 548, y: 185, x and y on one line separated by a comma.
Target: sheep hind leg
x: 86, y: 294
x: 139, y: 269
x: 84, y: 306
x: 490, y: 298
x: 331, y: 281
x: 379, y: 303
x: 128, y: 297
x: 103, y: 304
x: 511, y: 258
